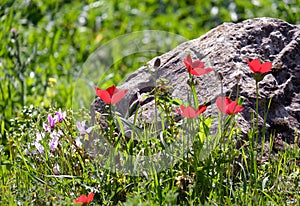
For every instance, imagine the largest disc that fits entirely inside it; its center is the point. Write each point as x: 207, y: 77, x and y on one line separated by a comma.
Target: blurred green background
x: 53, y: 39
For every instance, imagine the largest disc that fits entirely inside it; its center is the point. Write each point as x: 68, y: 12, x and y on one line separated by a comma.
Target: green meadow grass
x: 38, y: 64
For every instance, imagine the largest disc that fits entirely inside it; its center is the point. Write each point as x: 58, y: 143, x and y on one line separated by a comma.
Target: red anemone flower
x: 195, y: 67
x: 227, y: 106
x: 257, y: 67
x: 83, y: 199
x: 190, y: 112
x: 111, y: 95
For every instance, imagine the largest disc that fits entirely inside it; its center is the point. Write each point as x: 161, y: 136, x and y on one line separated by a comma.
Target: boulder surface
x: 226, y: 49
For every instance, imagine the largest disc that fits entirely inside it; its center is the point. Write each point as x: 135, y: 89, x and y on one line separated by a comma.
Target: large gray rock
x: 226, y: 49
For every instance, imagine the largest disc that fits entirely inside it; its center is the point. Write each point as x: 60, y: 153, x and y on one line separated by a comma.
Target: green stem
x: 221, y: 116
x: 112, y: 125
x: 256, y: 136
x: 21, y: 68
x: 155, y: 100
x: 18, y: 53
x: 80, y: 150
x: 21, y: 72
x: 193, y: 90
x: 257, y: 116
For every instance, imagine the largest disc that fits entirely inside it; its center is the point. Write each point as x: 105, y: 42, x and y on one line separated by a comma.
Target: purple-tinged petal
x: 60, y: 116
x: 39, y: 147
x: 51, y: 121
x: 47, y: 128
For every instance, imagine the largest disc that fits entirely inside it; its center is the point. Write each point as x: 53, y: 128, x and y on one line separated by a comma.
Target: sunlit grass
x: 225, y: 176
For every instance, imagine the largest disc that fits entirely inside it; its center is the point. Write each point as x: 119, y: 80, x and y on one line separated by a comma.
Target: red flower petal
x: 198, y: 64
x: 104, y: 95
x: 118, y: 96
x: 90, y: 197
x: 111, y: 95
x: 178, y: 110
x: 227, y: 106
x: 111, y: 90
x: 233, y: 108
x: 201, y: 109
x: 266, y: 67
x: 221, y: 104
x: 81, y: 199
x: 189, y: 59
x: 184, y: 111
x: 195, y: 68
x: 257, y: 67
x: 202, y: 71
x: 188, y: 63
x: 190, y: 112
x: 254, y: 65
x: 85, y: 199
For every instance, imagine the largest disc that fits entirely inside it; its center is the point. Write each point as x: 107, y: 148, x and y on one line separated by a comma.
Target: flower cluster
x: 52, y: 121
x: 112, y: 95
x: 195, y: 68
x: 54, y: 133
x: 224, y: 104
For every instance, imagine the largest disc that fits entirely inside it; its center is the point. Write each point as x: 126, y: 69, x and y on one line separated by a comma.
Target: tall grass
x: 85, y: 162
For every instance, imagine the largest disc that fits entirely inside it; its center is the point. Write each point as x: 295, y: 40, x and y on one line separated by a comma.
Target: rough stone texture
x: 226, y: 49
